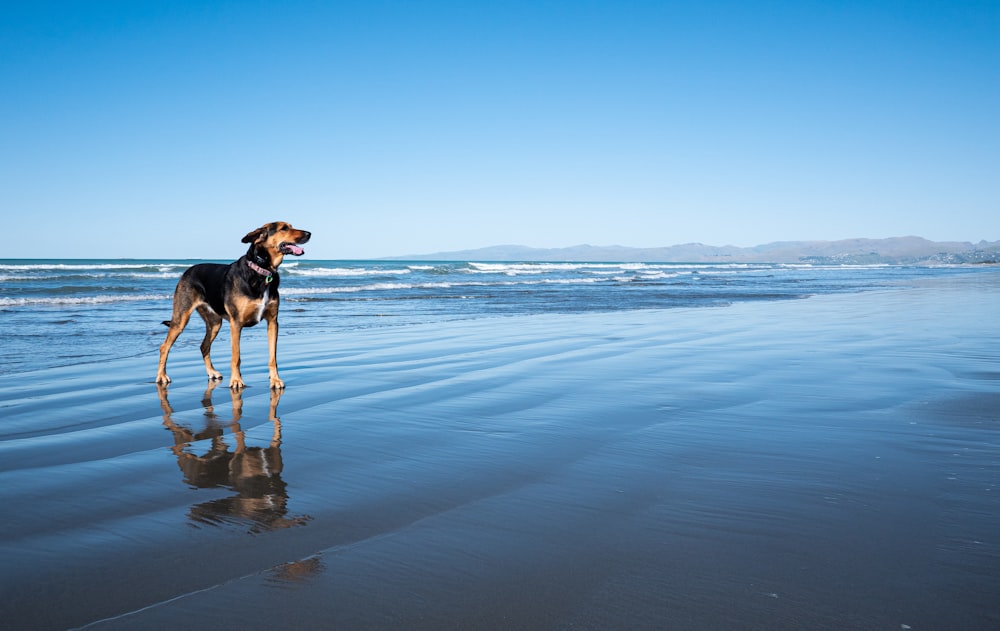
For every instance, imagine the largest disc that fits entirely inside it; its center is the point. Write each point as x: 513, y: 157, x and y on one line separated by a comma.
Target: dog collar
x: 260, y: 270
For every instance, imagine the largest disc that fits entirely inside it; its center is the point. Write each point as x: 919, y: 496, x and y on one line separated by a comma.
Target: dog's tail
x: 168, y: 323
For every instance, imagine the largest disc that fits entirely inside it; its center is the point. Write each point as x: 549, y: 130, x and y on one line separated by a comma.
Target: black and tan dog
x: 243, y: 292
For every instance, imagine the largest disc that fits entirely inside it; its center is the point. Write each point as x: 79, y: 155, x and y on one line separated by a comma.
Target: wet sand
x: 824, y: 463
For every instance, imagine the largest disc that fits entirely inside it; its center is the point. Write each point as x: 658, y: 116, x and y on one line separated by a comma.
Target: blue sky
x: 170, y: 128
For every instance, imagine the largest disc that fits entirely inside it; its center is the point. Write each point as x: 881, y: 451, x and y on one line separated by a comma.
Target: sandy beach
x: 831, y: 462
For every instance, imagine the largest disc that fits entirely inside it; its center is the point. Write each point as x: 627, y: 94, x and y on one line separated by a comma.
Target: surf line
x: 161, y: 603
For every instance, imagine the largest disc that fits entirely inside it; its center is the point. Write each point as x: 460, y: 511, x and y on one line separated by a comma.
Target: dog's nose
x: 305, y: 236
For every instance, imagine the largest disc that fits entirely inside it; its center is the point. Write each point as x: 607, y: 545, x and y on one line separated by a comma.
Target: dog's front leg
x: 236, y: 379
x: 272, y: 347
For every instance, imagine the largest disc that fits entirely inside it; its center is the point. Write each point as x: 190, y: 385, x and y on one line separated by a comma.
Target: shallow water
x: 65, y: 312
x: 830, y: 462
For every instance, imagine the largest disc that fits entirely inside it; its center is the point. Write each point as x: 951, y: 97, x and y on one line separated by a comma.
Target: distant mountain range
x: 896, y: 250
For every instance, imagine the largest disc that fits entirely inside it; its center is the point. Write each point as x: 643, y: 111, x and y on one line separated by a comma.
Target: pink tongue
x: 294, y: 249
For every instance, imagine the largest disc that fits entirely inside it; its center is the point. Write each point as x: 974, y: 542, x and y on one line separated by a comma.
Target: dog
x: 243, y: 292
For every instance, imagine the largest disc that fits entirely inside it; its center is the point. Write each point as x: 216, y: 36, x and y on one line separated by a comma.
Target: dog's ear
x: 256, y: 235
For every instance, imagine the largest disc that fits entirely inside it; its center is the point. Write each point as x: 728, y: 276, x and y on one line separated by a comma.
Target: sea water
x: 64, y: 312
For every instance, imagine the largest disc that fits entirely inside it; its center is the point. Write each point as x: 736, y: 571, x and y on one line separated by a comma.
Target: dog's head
x: 276, y: 239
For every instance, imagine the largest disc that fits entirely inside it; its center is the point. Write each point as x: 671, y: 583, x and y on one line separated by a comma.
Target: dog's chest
x: 263, y: 304
x: 249, y: 310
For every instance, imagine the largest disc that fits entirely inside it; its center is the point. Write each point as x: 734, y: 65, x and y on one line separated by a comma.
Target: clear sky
x: 136, y: 128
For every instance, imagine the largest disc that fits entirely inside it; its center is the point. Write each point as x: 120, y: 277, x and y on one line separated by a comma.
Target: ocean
x: 59, y: 312
x: 475, y: 444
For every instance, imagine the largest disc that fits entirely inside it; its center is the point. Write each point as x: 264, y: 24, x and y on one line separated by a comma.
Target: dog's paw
x: 215, y: 375
x: 162, y: 379
x: 236, y: 384
x: 277, y: 384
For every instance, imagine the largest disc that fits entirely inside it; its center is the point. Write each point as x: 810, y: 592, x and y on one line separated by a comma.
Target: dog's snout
x: 305, y: 236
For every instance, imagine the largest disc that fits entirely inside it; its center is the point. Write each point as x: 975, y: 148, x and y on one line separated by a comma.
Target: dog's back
x: 205, y: 281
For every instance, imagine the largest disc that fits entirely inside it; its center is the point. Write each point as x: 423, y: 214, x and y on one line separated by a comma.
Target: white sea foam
x: 79, y: 300
x: 346, y: 272
x: 653, y: 275
x: 350, y: 289
x: 11, y: 277
x: 513, y: 269
x: 541, y: 268
x: 149, y: 275
x: 23, y: 267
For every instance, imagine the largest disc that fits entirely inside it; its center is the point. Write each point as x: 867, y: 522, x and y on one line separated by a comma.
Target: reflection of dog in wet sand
x: 253, y: 472
x: 243, y: 292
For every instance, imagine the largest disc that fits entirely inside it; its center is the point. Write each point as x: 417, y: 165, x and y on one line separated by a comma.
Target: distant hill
x: 896, y: 250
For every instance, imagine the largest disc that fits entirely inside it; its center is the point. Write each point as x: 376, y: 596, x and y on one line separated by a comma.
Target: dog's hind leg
x: 213, y: 322
x: 177, y: 324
